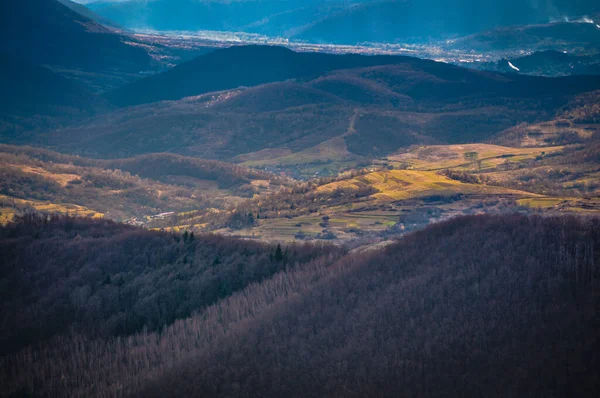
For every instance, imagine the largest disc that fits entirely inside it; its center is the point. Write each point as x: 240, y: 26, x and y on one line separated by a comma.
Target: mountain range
x: 338, y: 21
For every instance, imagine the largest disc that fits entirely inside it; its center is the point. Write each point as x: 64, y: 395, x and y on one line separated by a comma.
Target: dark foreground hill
x: 35, y: 98
x: 495, y: 306
x: 49, y: 33
x: 481, y: 306
x: 29, y: 89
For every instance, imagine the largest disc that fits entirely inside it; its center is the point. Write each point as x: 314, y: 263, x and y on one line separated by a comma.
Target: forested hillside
x: 495, y: 306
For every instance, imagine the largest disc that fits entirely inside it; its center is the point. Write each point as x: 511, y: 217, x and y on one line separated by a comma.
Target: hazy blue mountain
x: 393, y: 20
x: 86, y: 12
x: 341, y: 21
x: 274, y: 17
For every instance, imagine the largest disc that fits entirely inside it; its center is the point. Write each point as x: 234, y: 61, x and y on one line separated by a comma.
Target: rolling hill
x: 550, y: 166
x: 367, y: 111
x: 415, y: 77
x: 220, y: 70
x: 135, y: 189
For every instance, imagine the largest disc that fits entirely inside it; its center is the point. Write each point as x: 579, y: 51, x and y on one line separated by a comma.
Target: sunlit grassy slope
x: 9, y: 206
x: 439, y: 157
x: 408, y: 184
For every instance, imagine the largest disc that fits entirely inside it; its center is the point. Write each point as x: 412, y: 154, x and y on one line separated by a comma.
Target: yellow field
x: 60, y: 178
x: 578, y: 205
x: 439, y: 157
x: 408, y: 184
x: 6, y: 215
x: 12, y: 204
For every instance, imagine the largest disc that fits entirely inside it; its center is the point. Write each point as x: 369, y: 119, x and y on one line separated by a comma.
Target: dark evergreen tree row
x: 107, y: 279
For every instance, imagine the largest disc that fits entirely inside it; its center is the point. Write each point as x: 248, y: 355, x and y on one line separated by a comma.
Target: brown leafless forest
x: 476, y: 306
